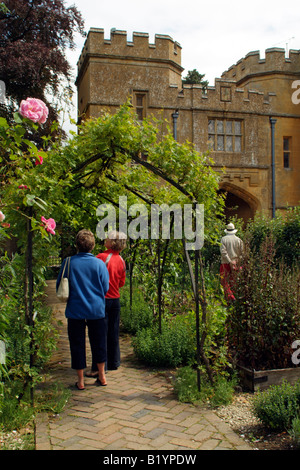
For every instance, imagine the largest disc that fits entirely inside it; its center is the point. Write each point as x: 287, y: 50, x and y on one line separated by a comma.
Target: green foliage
x: 193, y: 76
x: 215, y: 347
x: 96, y: 166
x: 179, y: 316
x: 218, y: 394
x: 278, y: 406
x: 52, y: 399
x: 284, y: 230
x: 14, y: 331
x: 264, y: 320
x: 13, y: 415
x: 26, y: 326
x: 173, y: 346
x: 294, y: 432
x: 137, y: 316
x: 16, y: 414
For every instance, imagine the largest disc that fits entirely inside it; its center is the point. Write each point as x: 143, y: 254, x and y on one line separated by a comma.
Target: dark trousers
x: 97, y: 338
x: 112, y: 321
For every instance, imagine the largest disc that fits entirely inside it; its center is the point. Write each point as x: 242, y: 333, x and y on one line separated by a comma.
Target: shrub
x: 13, y: 413
x: 173, y: 346
x: 278, y: 406
x: 137, y: 316
x: 284, y: 229
x: 264, y: 320
x: 288, y: 237
x: 294, y: 432
x: 218, y: 394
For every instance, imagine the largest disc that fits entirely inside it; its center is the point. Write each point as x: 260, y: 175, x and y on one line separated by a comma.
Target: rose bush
x: 25, y: 326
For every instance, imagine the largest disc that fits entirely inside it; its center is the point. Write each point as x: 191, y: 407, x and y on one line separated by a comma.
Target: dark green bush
x: 173, y: 346
x: 288, y: 237
x: 294, y: 432
x: 278, y: 406
x: 285, y: 231
x: 137, y: 316
x: 264, y: 320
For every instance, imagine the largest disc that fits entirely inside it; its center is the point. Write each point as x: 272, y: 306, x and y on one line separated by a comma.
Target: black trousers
x: 97, y: 338
x: 112, y: 322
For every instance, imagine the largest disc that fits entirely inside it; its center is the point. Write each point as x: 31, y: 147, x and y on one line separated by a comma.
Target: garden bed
x: 254, y: 380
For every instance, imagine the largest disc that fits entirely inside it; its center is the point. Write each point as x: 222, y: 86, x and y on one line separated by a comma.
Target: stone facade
x: 231, y: 119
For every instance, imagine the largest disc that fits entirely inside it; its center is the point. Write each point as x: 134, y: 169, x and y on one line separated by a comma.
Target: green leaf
x: 3, y: 122
x: 18, y: 119
x: 31, y: 200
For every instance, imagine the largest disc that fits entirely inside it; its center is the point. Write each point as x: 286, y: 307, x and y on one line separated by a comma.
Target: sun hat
x: 230, y: 228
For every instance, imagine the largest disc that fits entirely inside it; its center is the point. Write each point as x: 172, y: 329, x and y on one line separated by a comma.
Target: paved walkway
x: 136, y: 411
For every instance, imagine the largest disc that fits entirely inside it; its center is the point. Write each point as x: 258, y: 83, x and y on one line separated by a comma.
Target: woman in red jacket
x: 114, y: 244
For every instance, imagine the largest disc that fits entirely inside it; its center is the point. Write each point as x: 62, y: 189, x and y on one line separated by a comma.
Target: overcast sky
x: 213, y: 34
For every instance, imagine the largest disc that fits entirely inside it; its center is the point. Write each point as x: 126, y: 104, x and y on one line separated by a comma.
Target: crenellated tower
x: 111, y: 70
x: 274, y: 75
x: 231, y: 120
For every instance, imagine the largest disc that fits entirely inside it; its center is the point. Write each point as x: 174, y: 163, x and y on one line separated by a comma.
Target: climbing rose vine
x: 36, y: 111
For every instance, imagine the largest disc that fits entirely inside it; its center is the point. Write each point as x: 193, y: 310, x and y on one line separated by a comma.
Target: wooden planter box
x: 262, y: 379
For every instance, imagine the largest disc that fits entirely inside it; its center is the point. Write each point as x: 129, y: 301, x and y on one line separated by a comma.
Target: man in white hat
x: 231, y: 251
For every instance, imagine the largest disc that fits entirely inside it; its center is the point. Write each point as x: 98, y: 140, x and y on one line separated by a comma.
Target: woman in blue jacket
x: 88, y: 284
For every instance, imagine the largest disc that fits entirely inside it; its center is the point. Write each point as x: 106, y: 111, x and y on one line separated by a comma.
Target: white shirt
x: 231, y: 248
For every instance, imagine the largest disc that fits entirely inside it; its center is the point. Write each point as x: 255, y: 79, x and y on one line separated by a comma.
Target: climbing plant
x: 48, y: 189
x: 115, y: 155
x: 27, y: 225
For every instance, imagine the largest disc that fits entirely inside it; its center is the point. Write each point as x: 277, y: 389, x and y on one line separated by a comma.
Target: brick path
x: 136, y: 411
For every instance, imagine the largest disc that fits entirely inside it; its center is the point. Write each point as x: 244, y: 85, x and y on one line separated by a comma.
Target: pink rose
x: 50, y: 224
x: 34, y: 109
x: 39, y: 160
x: 2, y: 216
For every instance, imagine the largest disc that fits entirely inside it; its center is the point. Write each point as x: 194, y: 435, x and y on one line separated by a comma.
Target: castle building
x: 249, y: 120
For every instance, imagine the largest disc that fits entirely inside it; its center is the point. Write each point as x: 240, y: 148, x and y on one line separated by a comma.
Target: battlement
x: 224, y: 95
x: 163, y: 49
x: 275, y: 61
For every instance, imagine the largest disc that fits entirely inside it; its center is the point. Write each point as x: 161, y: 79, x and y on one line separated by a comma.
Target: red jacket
x: 117, y: 272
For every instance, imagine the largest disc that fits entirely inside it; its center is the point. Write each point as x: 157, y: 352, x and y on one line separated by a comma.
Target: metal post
x: 175, y: 117
x: 29, y: 293
x: 273, y: 121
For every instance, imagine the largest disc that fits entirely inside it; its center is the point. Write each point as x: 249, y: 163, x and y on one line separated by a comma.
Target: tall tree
x: 194, y: 77
x: 34, y: 35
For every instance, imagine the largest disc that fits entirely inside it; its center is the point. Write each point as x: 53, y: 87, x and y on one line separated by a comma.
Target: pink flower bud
x: 39, y: 160
x: 2, y: 216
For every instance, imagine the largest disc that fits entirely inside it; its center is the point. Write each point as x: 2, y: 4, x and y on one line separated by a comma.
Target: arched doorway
x: 238, y: 202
